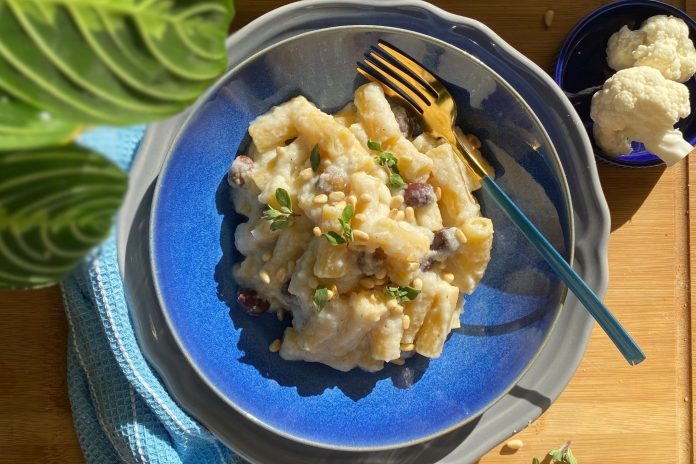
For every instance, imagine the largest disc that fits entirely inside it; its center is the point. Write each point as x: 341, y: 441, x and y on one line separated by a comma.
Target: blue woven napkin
x: 122, y: 411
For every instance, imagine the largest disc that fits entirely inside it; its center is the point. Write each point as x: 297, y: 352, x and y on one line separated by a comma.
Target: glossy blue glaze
x: 582, y: 65
x: 505, y: 321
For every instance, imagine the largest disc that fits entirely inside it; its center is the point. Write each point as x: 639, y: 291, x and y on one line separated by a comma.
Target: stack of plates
x: 548, y: 374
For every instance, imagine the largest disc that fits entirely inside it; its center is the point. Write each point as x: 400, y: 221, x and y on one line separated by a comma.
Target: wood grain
x: 611, y: 412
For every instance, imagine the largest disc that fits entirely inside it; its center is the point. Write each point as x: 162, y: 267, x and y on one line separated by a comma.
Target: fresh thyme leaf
x: 271, y: 213
x: 345, y: 219
x: 280, y: 219
x: 409, y: 293
x: 333, y: 238
x: 321, y: 297
x: 347, y: 214
x: 283, y: 198
x: 401, y: 293
x: 388, y: 160
x: 372, y: 145
x: 570, y: 459
x: 563, y: 455
x: 280, y: 223
x: 315, y: 158
x: 396, y: 181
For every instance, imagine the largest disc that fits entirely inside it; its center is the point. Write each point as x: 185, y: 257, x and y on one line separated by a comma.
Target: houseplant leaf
x: 25, y: 126
x: 115, y: 62
x: 55, y: 205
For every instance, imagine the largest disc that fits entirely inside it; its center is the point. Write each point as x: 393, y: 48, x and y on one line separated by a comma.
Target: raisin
x: 445, y: 240
x: 372, y: 263
x: 333, y: 179
x: 251, y: 302
x: 426, y: 265
x: 417, y: 194
x: 404, y: 120
x: 240, y: 171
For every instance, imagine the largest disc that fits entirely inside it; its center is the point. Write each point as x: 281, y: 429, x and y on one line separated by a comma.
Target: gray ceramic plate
x: 538, y: 387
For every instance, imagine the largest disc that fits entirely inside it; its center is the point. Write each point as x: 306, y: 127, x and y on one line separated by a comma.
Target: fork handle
x: 623, y: 341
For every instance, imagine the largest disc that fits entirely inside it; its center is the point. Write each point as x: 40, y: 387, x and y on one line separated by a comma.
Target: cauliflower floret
x: 639, y: 104
x: 662, y: 42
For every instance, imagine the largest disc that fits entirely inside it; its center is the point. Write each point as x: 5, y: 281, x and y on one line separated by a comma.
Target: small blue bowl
x: 505, y: 322
x: 582, y: 65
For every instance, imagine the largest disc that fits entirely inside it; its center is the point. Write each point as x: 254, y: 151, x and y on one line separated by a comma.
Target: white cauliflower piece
x: 662, y: 42
x: 639, y: 104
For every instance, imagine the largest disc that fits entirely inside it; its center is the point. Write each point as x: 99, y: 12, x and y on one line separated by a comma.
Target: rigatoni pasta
x: 365, y: 235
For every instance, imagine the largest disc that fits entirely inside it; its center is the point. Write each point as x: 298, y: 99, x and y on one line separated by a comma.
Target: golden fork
x: 403, y: 78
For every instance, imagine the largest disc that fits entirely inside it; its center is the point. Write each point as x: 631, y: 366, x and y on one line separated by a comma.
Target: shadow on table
x: 626, y: 190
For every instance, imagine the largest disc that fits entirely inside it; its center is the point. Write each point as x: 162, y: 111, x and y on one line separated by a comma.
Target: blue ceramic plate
x: 505, y: 323
x: 582, y: 65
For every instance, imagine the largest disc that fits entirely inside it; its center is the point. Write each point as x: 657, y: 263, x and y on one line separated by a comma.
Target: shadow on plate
x: 138, y: 280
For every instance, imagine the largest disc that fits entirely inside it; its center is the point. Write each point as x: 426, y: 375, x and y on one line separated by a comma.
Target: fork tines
x: 393, y: 68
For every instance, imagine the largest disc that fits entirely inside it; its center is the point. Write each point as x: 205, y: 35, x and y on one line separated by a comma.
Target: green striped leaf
x: 55, y: 205
x: 25, y: 126
x: 110, y: 61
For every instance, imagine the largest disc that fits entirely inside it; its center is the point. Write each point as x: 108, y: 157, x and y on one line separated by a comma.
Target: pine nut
x: 317, y: 232
x: 320, y: 199
x: 418, y: 283
x: 381, y: 274
x: 400, y: 216
x: 515, y: 444
x: 438, y: 193
x: 336, y: 196
x: 448, y: 277
x: 326, y: 162
x: 396, y: 201
x: 410, y: 214
x: 460, y: 236
x: 413, y: 266
x: 406, y: 322
x: 360, y: 235
x: 352, y: 200
x: 367, y: 283
x: 265, y: 278
x: 548, y: 17
x: 391, y: 304
x: 306, y: 174
x: 473, y: 140
x: 275, y: 346
x: 360, y: 217
x: 365, y: 197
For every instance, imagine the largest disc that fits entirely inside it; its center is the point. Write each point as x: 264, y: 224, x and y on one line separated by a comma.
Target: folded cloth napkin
x: 122, y: 411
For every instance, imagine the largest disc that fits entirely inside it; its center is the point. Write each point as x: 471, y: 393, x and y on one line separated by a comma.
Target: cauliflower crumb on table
x: 367, y: 236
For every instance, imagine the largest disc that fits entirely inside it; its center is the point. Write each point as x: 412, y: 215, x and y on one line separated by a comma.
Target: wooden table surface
x: 611, y: 412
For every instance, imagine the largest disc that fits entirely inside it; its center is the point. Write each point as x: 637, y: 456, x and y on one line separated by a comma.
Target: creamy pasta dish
x: 365, y: 235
